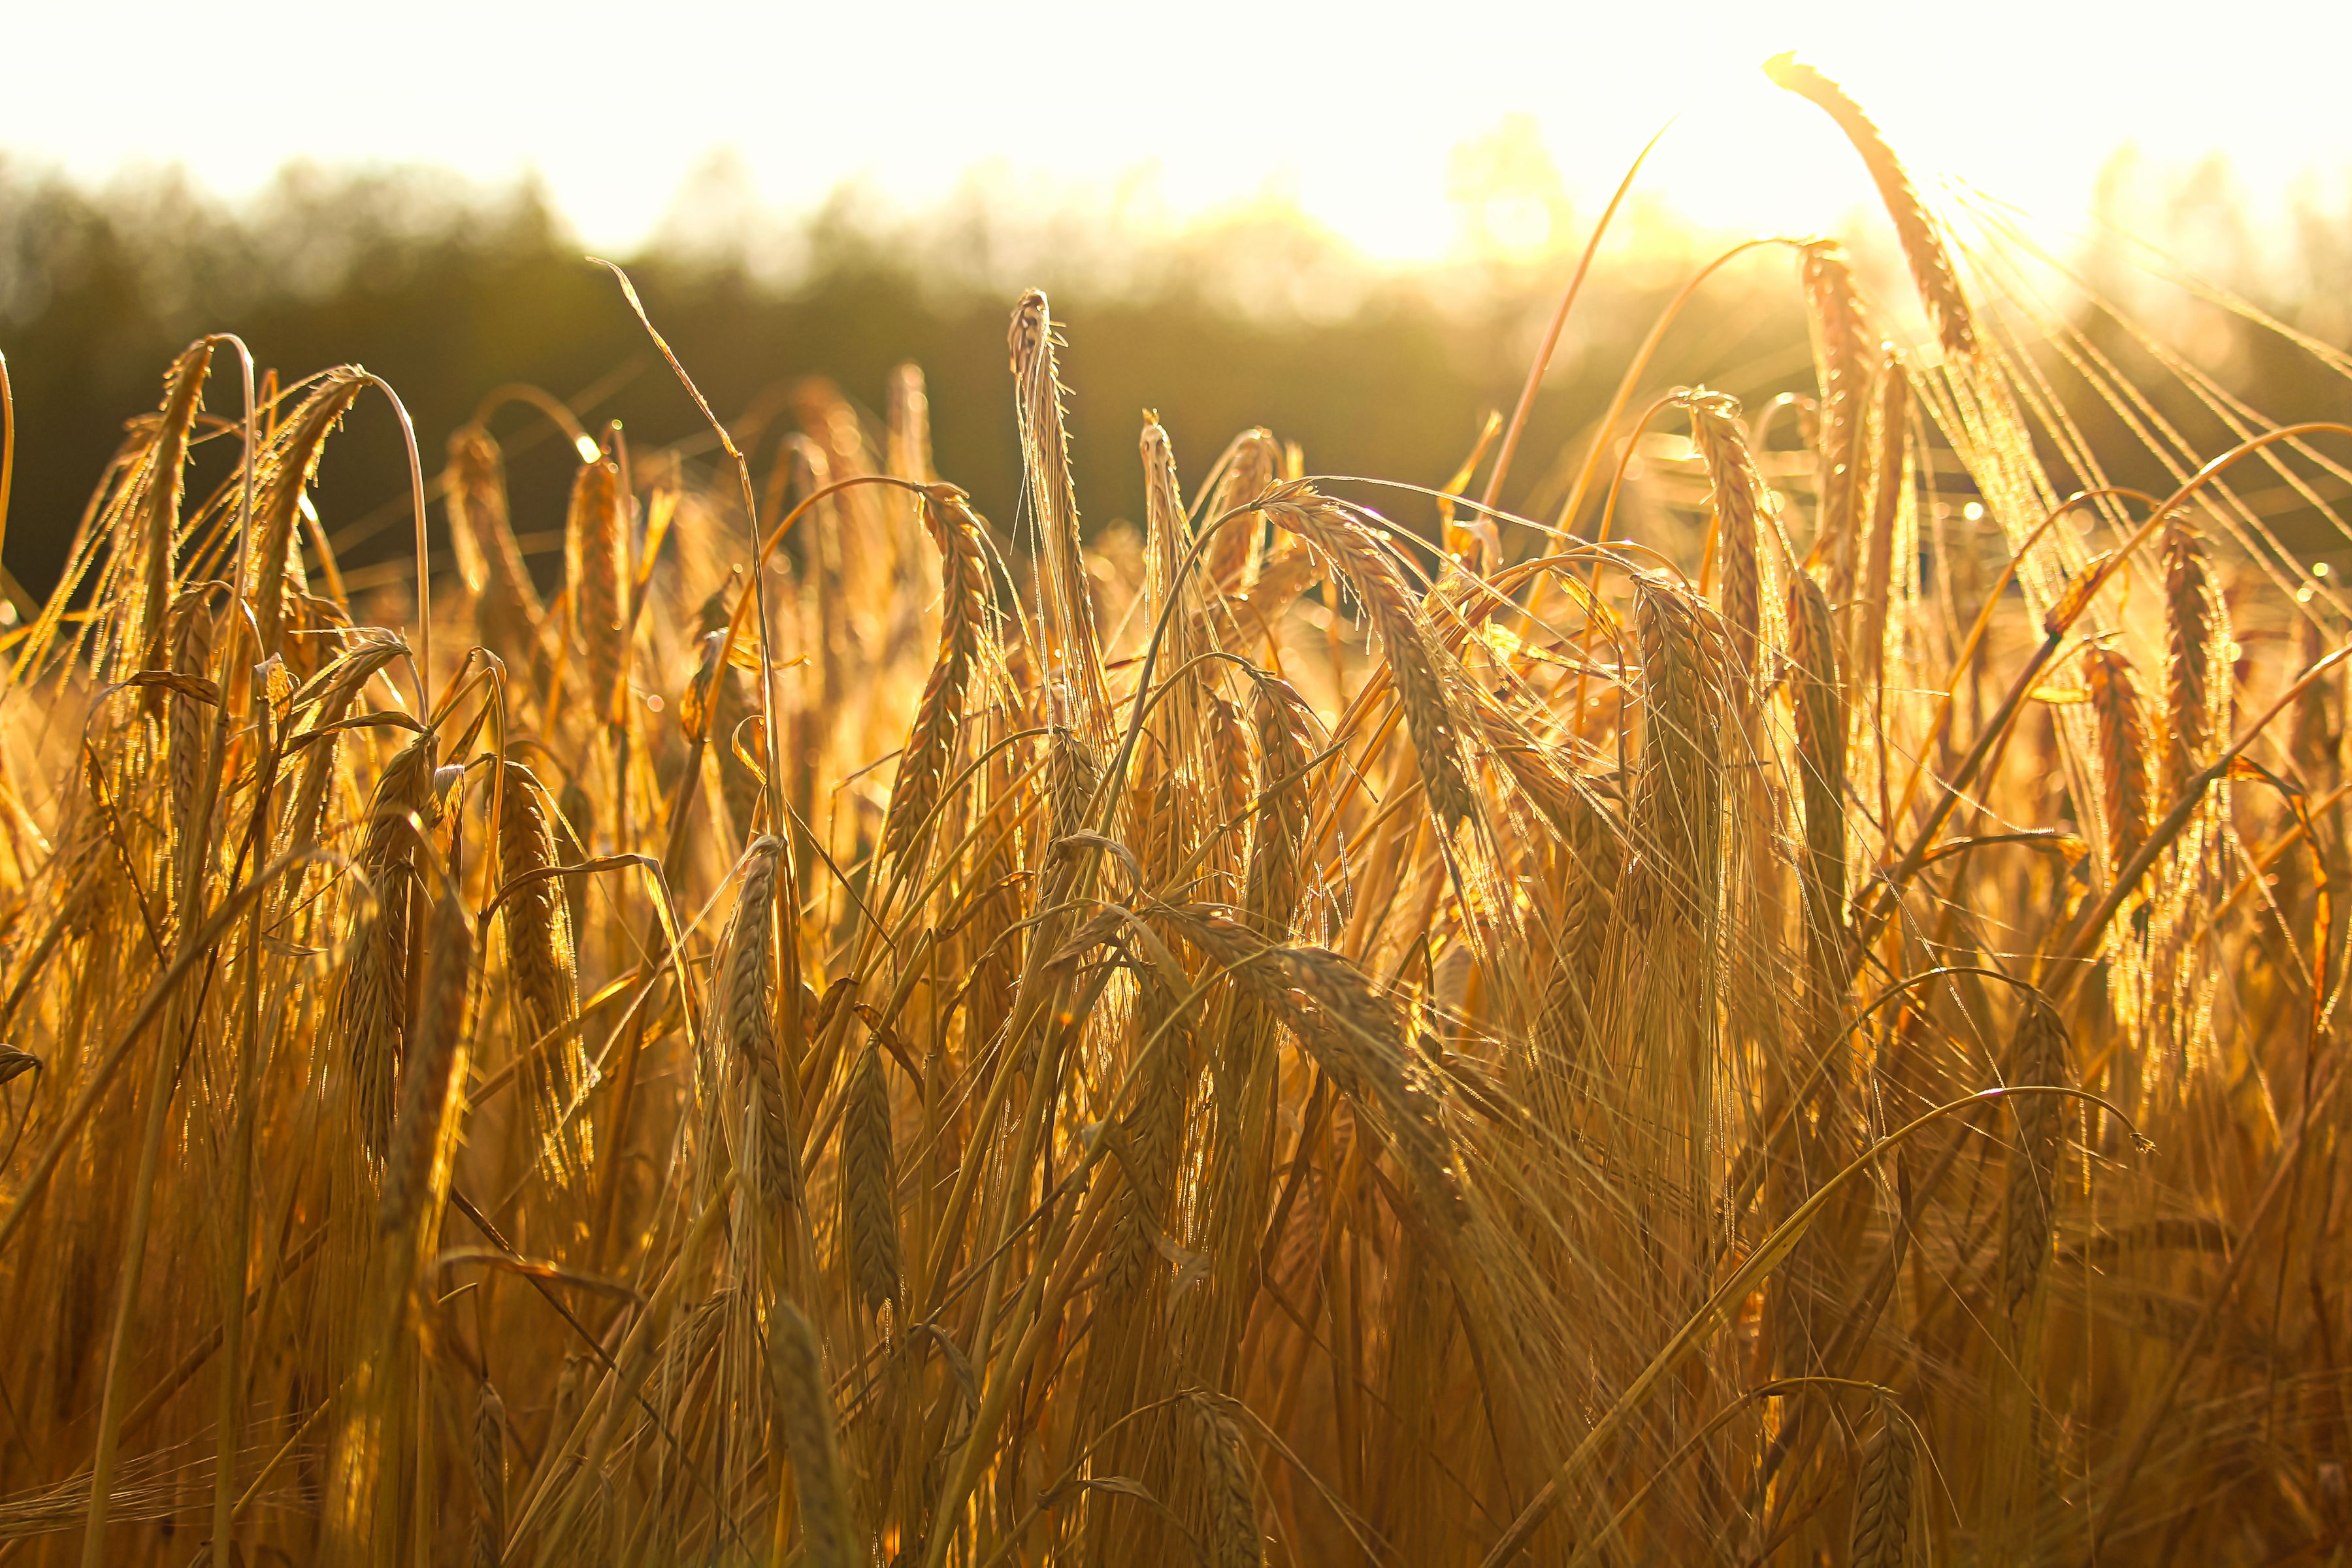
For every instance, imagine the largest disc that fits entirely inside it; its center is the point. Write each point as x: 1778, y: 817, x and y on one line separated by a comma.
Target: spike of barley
x: 1931, y: 268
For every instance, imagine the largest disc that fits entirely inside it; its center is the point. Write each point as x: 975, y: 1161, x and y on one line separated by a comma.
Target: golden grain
x: 1378, y: 1078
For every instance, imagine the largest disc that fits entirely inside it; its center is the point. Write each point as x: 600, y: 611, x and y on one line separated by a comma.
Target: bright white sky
x: 1353, y: 110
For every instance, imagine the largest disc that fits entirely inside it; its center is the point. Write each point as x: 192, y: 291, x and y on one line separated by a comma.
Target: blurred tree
x: 448, y: 290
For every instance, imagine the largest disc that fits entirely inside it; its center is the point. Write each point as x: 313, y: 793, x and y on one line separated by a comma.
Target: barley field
x: 1785, y: 1013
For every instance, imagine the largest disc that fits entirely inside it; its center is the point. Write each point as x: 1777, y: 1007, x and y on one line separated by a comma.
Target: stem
x: 1559, y: 321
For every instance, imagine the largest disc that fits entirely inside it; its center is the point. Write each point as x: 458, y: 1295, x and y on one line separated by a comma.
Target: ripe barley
x: 729, y: 706
x: 1413, y: 662
x: 490, y: 558
x: 490, y: 1459
x: 1279, y: 1116
x: 1072, y: 650
x: 1356, y: 1033
x: 744, y: 1035
x: 1679, y: 790
x: 1819, y: 699
x: 1237, y: 550
x: 163, y: 479
x: 372, y: 1019
x: 1844, y: 355
x: 192, y: 657
x: 425, y: 1135
x: 1882, y: 1497
x: 2038, y: 1058
x: 1232, y: 1537
x: 868, y: 1182
x: 597, y: 570
x: 1738, y: 494
x: 1072, y: 779
x: 2195, y: 673
x: 1876, y: 589
x: 936, y: 741
x: 1277, y: 880
x: 1153, y: 1131
x: 1234, y: 775
x: 288, y: 462
x: 2123, y: 754
x: 802, y: 1414
x: 1931, y: 269
x: 542, y: 967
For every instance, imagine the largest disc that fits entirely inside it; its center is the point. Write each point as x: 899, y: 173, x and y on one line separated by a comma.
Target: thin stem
x: 1560, y: 322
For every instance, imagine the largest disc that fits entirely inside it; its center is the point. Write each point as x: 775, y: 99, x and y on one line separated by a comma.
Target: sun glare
x: 1363, y: 114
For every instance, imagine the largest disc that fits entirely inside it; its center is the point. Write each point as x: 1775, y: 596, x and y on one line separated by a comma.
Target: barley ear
x: 163, y: 475
x: 1237, y: 550
x: 541, y: 967
x: 1232, y: 1537
x: 1821, y: 709
x: 746, y: 1036
x: 2040, y: 1059
x: 289, y: 460
x: 1679, y: 791
x: 372, y: 1005
x: 2123, y: 754
x: 1882, y: 1497
x: 1868, y: 620
x: 488, y: 555
x: 1073, y: 652
x: 1276, y: 882
x: 1415, y: 667
x: 2197, y: 669
x: 1738, y: 494
x: 803, y: 1417
x: 1073, y: 778
x: 1931, y: 268
x: 934, y: 740
x: 869, y: 1207
x: 1841, y: 353
x: 433, y: 1094
x: 490, y: 1459
x: 597, y: 578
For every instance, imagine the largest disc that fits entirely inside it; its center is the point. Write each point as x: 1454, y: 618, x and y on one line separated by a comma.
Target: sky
x: 1379, y: 121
